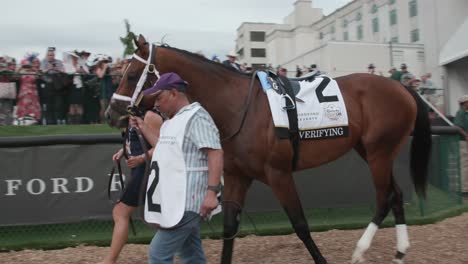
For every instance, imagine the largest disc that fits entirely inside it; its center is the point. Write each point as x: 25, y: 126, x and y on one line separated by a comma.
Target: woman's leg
x: 121, y: 215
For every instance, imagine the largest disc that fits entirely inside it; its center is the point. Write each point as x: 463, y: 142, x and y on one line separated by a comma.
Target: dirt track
x: 444, y: 242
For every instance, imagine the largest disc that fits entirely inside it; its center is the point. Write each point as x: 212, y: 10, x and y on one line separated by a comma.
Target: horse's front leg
x: 235, y: 189
x: 284, y: 188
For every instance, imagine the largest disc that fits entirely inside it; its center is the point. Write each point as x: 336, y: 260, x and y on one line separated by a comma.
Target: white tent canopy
x: 456, y: 47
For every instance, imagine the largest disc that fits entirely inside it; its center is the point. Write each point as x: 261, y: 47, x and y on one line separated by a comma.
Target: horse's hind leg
x: 381, y: 169
x: 233, y: 198
x: 400, y: 224
x: 285, y: 190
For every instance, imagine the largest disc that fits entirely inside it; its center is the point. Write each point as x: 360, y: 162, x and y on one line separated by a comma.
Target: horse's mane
x: 209, y: 63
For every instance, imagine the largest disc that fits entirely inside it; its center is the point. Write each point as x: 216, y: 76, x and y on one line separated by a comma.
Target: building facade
x: 385, y: 33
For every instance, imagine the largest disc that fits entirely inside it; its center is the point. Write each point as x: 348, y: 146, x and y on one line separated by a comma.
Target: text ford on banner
x: 55, y: 184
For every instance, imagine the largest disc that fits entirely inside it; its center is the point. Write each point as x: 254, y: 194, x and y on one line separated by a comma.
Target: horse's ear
x: 135, y: 40
x: 141, y: 40
x: 142, y: 45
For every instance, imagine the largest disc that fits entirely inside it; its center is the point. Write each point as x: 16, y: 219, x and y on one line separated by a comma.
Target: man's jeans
x: 183, y: 240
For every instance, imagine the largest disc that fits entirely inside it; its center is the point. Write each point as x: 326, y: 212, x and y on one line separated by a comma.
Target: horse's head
x: 139, y: 75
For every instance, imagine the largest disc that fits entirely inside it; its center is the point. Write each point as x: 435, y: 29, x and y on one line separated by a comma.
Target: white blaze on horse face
x: 118, y: 97
x: 402, y: 238
x: 364, y: 243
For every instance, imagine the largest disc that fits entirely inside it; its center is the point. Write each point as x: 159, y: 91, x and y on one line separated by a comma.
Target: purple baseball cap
x: 167, y: 81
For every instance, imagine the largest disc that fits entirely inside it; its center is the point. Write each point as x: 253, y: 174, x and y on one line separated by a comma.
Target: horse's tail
x: 420, y: 146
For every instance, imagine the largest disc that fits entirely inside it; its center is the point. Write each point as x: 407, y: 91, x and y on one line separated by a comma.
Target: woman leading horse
x: 382, y: 114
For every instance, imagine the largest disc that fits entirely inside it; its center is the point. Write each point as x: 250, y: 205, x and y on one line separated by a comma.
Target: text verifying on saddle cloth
x: 320, y: 106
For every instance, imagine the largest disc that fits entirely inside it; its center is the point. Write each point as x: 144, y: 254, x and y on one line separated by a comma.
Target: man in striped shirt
x: 188, y: 150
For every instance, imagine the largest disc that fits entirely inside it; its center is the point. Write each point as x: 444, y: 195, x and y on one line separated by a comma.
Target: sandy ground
x: 440, y: 243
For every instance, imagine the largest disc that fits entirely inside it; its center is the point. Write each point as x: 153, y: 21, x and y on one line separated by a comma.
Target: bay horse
x: 382, y: 115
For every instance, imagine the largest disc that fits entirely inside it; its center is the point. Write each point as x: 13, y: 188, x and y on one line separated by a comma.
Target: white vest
x: 165, y: 194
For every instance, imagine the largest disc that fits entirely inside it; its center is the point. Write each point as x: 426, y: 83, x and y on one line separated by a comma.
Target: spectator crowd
x: 75, y: 90
x: 422, y: 85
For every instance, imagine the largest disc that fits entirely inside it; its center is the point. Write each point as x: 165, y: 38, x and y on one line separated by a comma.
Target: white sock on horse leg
x: 402, y: 238
x: 364, y: 242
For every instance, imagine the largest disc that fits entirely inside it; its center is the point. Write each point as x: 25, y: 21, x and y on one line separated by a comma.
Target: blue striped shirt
x: 200, y: 132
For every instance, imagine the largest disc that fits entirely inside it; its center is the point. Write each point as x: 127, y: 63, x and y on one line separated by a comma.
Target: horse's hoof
x: 323, y: 261
x: 357, y: 258
x: 398, y: 261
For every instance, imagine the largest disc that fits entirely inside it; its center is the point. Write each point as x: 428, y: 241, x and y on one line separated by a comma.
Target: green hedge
x: 38, y: 130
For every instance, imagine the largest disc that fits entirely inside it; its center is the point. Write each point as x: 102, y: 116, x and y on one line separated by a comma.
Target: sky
x: 96, y: 25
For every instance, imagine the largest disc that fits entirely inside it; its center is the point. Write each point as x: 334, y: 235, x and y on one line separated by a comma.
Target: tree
x: 127, y: 41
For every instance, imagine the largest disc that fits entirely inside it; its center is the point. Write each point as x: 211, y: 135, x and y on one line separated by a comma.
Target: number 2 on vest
x: 153, y: 207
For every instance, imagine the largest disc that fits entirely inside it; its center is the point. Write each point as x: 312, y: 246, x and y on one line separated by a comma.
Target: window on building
x: 359, y: 32
x: 413, y: 8
x: 394, y: 40
x: 321, y: 35
x: 257, y: 36
x: 258, y: 53
x: 374, y: 9
x: 393, y: 17
x: 345, y: 35
x: 391, y: 2
x: 345, y: 22
x: 241, y: 53
x: 415, y: 35
x: 398, y: 56
x: 332, y: 30
x: 375, y: 25
x: 358, y: 16
x: 421, y: 57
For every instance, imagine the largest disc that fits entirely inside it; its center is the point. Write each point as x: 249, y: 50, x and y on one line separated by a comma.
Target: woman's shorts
x: 132, y: 189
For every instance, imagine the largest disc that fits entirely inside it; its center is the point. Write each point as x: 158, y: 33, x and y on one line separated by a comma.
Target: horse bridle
x: 149, y: 68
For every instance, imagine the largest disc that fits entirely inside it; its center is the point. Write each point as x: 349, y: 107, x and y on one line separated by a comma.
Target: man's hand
x: 134, y: 161
x: 118, y: 155
x: 463, y: 133
x: 209, y: 203
x: 215, y: 169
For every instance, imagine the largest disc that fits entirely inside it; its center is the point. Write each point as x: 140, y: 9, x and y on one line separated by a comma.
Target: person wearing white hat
x: 231, y: 61
x: 73, y: 68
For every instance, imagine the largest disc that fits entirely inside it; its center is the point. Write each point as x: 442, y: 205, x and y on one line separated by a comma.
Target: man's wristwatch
x: 215, y: 188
